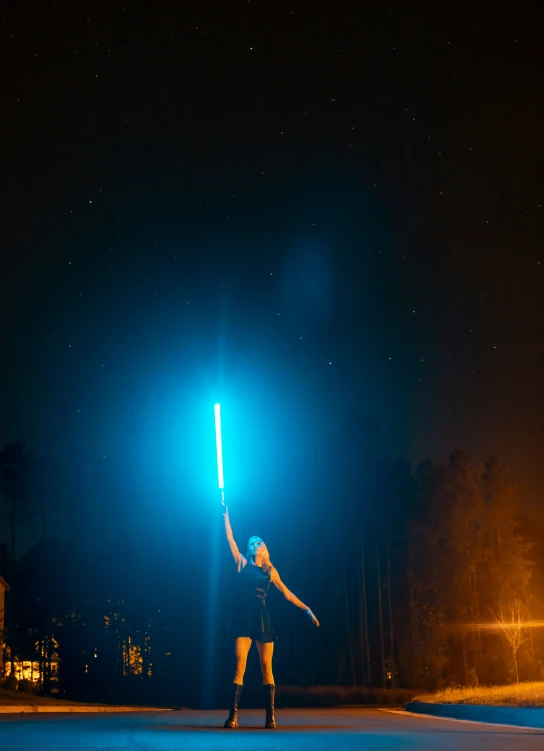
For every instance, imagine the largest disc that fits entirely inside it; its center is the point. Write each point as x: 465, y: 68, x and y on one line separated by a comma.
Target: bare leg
x: 266, y: 652
x: 243, y: 645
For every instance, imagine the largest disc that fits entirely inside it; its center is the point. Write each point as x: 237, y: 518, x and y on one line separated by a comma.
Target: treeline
x: 421, y: 578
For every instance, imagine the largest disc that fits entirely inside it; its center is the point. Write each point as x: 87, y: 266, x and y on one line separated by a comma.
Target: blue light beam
x: 219, y: 446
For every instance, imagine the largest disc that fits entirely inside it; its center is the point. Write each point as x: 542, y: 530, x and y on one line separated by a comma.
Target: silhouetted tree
x: 18, y: 479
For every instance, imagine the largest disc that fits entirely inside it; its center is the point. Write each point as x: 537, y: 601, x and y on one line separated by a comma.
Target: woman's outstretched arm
x: 238, y: 557
x: 292, y: 597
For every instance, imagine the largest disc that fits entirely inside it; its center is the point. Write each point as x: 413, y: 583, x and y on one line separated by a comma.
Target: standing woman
x: 252, y: 622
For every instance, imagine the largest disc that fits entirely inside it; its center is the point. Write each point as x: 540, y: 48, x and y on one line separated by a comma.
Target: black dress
x: 251, y: 616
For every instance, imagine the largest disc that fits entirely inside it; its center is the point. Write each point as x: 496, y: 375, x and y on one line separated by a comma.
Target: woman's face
x: 254, y: 547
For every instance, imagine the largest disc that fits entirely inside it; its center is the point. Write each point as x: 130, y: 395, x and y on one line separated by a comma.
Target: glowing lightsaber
x: 219, y: 446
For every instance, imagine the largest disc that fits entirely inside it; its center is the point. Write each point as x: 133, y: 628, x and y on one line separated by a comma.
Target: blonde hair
x: 267, y: 563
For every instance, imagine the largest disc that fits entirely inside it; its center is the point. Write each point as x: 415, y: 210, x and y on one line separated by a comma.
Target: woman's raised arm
x: 238, y: 557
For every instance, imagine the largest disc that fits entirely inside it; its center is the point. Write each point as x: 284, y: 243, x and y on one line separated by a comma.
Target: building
x: 3, y: 588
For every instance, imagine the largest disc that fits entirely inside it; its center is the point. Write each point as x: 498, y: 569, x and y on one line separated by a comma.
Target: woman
x: 253, y: 623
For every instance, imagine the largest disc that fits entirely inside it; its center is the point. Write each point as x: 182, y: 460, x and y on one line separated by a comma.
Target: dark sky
x: 297, y: 210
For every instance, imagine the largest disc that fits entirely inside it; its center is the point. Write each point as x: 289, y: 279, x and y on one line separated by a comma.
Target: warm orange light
x: 506, y: 625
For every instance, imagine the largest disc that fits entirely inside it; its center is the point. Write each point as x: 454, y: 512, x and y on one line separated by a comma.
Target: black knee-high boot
x: 232, y: 721
x: 269, y: 694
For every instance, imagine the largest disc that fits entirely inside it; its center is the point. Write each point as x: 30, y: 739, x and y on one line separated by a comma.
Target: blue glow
x: 217, y: 410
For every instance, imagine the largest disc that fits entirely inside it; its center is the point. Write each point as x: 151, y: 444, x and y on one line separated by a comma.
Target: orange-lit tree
x: 511, y: 628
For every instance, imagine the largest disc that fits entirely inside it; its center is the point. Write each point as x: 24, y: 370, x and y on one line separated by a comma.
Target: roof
x: 3, y: 583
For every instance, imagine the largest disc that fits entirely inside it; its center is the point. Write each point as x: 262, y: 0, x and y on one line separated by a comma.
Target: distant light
x: 217, y: 410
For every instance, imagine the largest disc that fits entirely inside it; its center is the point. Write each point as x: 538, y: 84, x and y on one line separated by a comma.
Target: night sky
x: 299, y: 211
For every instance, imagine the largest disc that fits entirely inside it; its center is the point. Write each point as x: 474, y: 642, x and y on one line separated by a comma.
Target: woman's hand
x: 312, y: 617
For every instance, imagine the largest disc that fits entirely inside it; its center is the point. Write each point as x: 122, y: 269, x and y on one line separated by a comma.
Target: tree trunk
x: 350, y: 650
x: 41, y: 662
x: 363, y: 622
x: 13, y: 517
x: 380, y: 611
x: 361, y: 630
x: 475, y: 610
x: 391, y: 627
x: 12, y: 575
x: 48, y: 645
x: 413, y: 619
x: 532, y: 650
x: 515, y: 656
x: 465, y: 662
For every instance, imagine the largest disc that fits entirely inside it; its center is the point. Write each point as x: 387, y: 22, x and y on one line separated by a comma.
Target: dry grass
x: 335, y: 696
x: 515, y: 695
x: 20, y: 697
